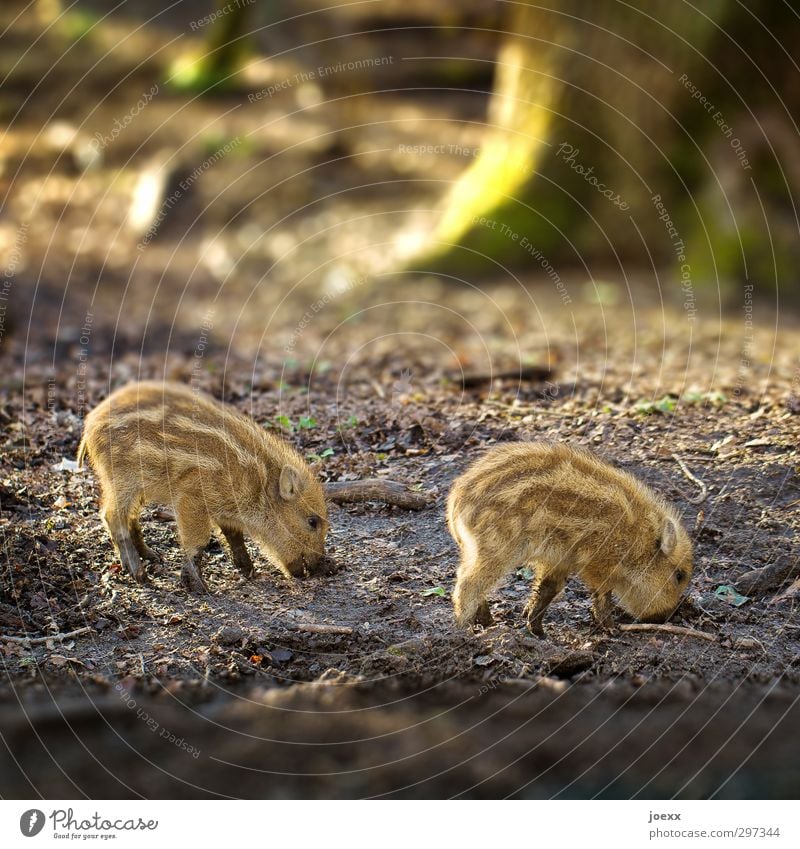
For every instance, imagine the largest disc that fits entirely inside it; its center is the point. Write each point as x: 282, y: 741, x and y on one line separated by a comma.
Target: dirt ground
x: 362, y: 370
x: 396, y: 570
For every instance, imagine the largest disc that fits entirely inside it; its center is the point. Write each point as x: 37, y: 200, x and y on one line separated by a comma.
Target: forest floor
x: 362, y: 371
x: 401, y: 416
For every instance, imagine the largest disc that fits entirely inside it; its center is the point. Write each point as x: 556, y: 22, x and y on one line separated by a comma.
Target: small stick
x: 535, y: 374
x: 376, y: 489
x: 312, y: 628
x: 39, y: 641
x: 703, y: 494
x: 669, y: 629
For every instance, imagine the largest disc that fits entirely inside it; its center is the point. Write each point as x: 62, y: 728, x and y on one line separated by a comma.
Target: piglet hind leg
x: 546, y: 586
x: 143, y: 549
x: 116, y: 521
x: 194, y: 530
x: 238, y: 552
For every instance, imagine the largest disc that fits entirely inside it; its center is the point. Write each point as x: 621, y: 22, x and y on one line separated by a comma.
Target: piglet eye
x: 313, y: 522
x: 680, y: 576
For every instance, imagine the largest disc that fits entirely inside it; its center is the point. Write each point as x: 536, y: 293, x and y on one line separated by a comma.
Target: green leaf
x: 730, y: 595
x: 716, y: 398
x: 284, y: 422
x: 433, y: 591
x: 75, y: 25
x: 667, y: 404
x: 306, y: 422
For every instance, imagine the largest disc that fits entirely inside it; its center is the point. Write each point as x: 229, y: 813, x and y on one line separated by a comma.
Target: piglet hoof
x: 136, y: 570
x: 130, y: 560
x: 192, y: 579
x: 483, y: 615
x: 249, y: 574
x: 534, y: 621
x: 151, y: 555
x: 535, y: 627
x: 245, y: 568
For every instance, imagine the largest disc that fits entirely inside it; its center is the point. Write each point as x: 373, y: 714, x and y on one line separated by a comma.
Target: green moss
x: 77, y: 25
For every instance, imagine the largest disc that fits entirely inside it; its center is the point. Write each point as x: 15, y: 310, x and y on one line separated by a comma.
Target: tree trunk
x: 630, y: 132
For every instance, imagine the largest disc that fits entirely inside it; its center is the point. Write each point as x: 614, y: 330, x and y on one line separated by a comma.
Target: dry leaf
x: 722, y: 442
x: 788, y: 594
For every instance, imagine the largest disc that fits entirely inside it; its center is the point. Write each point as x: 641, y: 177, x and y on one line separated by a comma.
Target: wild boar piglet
x: 563, y: 511
x: 166, y: 443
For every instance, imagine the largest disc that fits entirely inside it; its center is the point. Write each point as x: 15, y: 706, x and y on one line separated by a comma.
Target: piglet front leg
x: 194, y: 530
x: 192, y: 574
x: 119, y: 531
x: 602, y: 610
x: 238, y: 552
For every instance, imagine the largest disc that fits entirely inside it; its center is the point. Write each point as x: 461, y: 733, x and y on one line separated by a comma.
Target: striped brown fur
x: 166, y: 443
x: 563, y: 511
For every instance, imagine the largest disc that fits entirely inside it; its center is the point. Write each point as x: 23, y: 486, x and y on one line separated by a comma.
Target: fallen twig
x: 376, y: 489
x: 669, y: 629
x: 703, y: 494
x: 312, y: 628
x: 472, y: 380
x: 40, y: 641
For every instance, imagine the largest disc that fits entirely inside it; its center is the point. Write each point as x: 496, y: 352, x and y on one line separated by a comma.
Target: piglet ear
x: 289, y: 484
x: 669, y: 536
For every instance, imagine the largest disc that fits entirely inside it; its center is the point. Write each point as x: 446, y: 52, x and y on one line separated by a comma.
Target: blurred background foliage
x: 693, y: 106
x: 482, y: 139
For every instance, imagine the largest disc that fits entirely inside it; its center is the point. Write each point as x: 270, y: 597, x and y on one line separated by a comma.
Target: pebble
x: 228, y: 635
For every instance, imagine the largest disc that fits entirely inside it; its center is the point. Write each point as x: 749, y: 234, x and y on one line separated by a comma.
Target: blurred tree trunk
x: 527, y: 89
x: 224, y: 49
x: 632, y: 132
